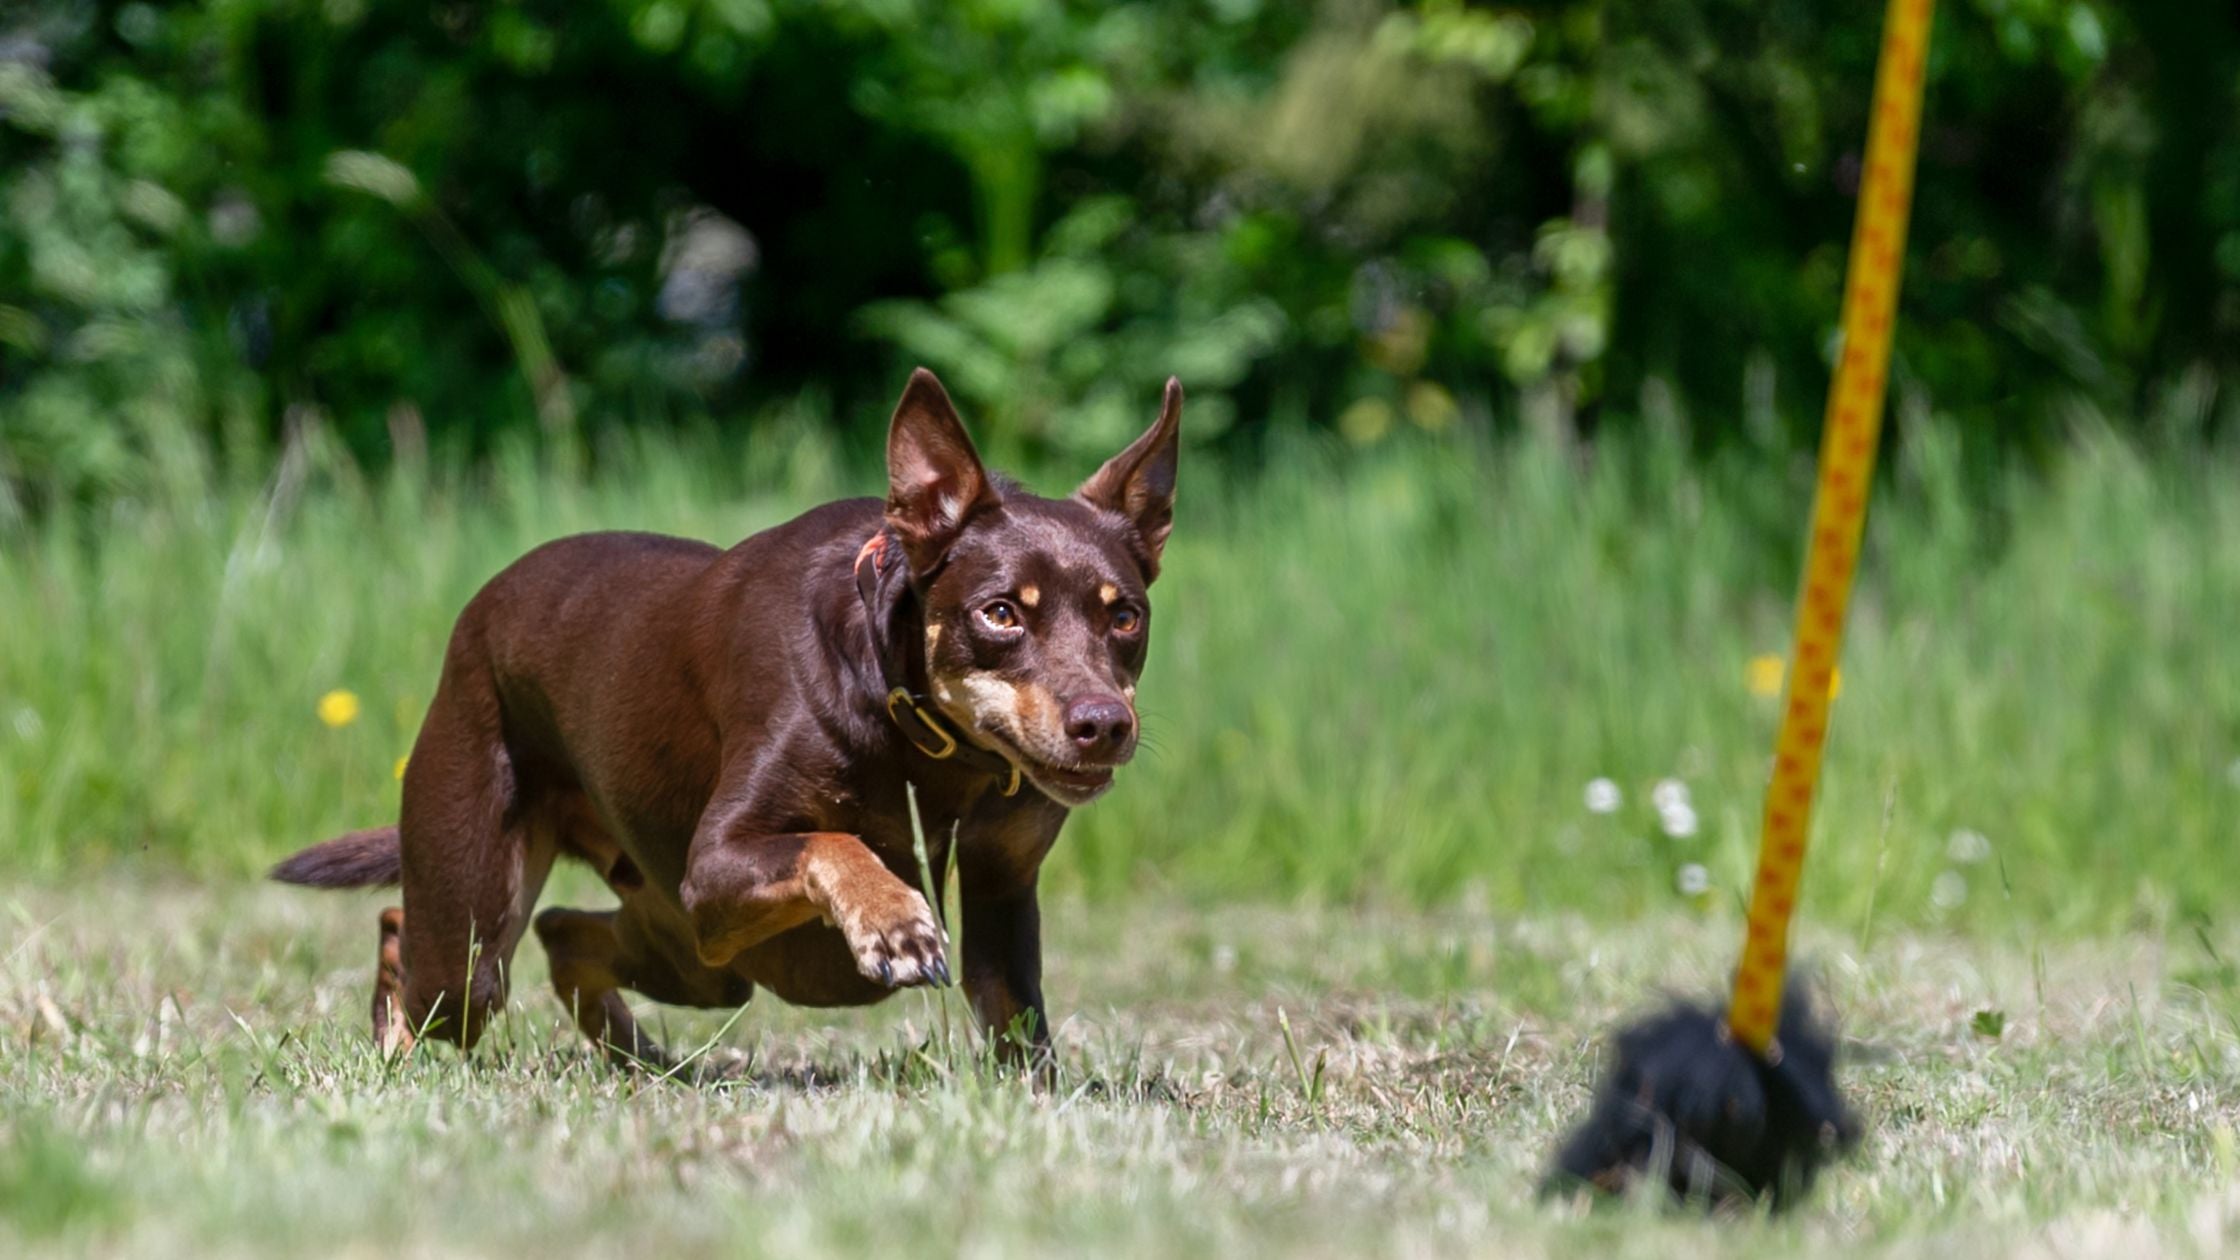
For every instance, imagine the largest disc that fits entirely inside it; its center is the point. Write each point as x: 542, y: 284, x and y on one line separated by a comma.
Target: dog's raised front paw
x: 897, y: 941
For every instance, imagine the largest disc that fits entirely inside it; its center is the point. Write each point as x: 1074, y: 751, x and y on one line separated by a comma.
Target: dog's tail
x: 370, y: 858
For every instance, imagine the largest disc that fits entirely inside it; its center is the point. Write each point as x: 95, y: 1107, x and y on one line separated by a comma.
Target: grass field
x: 1380, y: 690
x: 185, y: 1073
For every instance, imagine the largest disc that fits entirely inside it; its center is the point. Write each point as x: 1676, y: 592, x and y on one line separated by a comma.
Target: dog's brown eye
x: 1126, y: 620
x: 1000, y: 615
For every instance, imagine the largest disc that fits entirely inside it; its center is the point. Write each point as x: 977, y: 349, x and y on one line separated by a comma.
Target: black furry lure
x: 1685, y: 1103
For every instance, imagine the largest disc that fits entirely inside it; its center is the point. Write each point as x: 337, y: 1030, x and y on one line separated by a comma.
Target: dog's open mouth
x: 1068, y: 785
x: 1089, y: 779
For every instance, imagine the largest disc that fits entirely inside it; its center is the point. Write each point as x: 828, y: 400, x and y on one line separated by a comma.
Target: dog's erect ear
x: 1138, y: 483
x: 934, y: 478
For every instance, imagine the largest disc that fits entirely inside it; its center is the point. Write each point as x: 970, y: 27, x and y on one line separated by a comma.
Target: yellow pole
x: 1849, y: 433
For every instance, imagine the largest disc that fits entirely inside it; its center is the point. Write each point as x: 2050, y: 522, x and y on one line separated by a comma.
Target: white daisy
x: 1603, y: 797
x: 1967, y: 847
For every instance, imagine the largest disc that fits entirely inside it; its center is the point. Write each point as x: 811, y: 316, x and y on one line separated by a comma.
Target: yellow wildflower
x: 338, y: 708
x: 1763, y: 675
x: 400, y: 768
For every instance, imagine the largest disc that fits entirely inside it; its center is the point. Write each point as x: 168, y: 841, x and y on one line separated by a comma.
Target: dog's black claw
x: 941, y: 972
x: 886, y: 973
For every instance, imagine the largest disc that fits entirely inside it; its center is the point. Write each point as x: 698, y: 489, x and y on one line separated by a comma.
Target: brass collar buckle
x: 900, y: 699
x: 901, y: 696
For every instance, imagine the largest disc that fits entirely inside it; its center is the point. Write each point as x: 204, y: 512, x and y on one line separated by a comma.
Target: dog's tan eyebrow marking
x: 1030, y: 595
x: 1108, y: 592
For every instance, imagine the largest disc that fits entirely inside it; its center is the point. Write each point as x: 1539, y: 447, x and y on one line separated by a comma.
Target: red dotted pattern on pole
x: 1850, y: 431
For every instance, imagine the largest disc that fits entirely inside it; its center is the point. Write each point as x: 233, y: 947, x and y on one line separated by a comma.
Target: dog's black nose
x: 1099, y: 724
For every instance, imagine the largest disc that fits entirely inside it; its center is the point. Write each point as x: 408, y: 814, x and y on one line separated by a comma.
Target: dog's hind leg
x: 596, y: 954
x: 586, y: 953
x: 390, y: 1031
x: 472, y: 862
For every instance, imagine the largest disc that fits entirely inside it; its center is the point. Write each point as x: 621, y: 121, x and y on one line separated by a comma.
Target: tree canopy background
x: 449, y: 222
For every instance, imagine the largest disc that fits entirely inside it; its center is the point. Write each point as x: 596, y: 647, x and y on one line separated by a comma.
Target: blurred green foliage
x: 450, y: 220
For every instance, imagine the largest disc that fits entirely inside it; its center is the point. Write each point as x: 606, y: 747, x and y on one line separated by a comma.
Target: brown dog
x: 726, y: 736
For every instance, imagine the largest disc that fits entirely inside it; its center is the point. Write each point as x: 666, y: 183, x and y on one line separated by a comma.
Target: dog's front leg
x: 1003, y: 968
x: 742, y: 888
